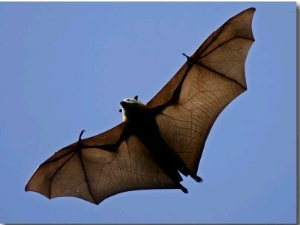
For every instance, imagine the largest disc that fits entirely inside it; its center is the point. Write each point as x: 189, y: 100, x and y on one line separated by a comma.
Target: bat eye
x: 120, y: 110
x: 128, y: 100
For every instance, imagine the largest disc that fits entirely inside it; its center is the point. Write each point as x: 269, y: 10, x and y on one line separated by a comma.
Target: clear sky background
x: 66, y: 66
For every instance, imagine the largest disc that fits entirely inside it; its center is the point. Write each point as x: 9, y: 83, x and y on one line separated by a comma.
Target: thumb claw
x: 81, y: 134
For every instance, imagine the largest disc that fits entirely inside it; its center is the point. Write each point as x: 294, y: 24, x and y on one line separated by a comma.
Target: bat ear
x: 136, y: 97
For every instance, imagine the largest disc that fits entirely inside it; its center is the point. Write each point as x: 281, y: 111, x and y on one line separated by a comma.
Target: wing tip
x: 36, y: 191
x: 251, y: 9
x: 27, y: 188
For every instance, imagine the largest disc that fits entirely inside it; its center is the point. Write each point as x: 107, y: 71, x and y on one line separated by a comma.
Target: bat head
x: 131, y: 108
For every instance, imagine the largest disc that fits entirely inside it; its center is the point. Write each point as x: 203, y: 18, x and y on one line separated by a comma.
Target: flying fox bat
x: 161, y: 139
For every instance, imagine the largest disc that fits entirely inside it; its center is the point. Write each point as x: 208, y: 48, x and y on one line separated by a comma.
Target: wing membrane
x: 94, y: 174
x: 212, y: 77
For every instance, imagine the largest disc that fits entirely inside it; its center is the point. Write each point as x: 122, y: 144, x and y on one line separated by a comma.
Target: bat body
x: 161, y: 139
x: 141, y: 123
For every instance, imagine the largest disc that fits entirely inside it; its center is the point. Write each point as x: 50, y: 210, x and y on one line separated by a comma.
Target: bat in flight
x: 160, y: 140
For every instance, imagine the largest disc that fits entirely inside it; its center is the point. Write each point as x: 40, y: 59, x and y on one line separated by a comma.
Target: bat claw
x: 187, y: 57
x: 79, y: 139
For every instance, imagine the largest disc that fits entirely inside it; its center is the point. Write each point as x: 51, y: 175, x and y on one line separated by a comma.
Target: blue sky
x: 66, y: 66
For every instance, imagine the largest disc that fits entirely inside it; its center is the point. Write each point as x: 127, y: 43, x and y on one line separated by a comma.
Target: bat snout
x: 124, y: 104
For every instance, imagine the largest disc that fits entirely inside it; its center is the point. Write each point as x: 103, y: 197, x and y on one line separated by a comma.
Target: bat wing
x: 211, y: 78
x: 95, y: 174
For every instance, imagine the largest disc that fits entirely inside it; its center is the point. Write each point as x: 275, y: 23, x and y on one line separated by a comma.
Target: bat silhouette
x: 157, y: 141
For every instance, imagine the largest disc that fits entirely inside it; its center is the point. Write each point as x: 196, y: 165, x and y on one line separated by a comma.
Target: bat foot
x: 184, y: 190
x: 197, y: 179
x: 200, y: 180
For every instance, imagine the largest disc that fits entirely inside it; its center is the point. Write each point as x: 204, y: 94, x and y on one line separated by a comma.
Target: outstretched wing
x: 210, y: 79
x: 95, y: 174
